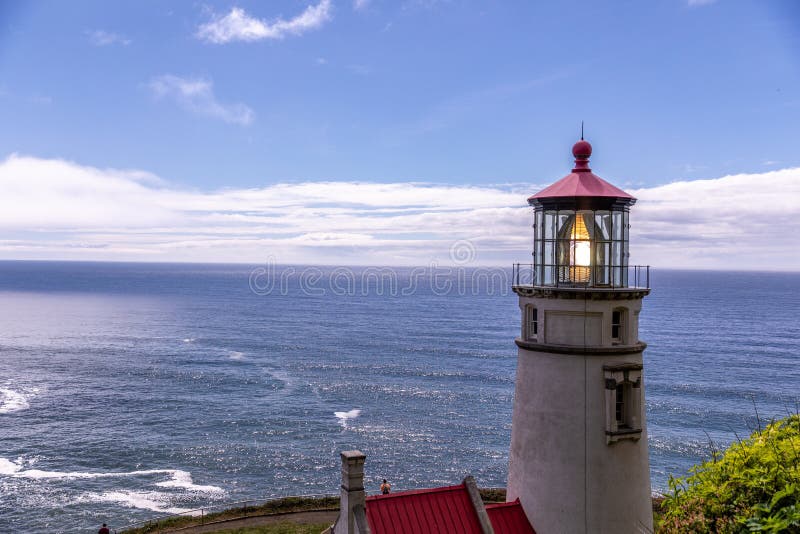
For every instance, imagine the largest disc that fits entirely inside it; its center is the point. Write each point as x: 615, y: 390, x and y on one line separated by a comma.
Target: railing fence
x: 204, y: 511
x: 635, y: 277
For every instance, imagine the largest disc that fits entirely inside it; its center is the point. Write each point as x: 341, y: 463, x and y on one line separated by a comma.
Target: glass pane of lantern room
x: 618, y: 225
x: 581, y: 236
x: 616, y: 261
x: 586, y: 229
x: 602, y: 221
x: 548, y: 260
x: 625, y: 225
x: 549, y: 278
x: 624, y: 266
x: 565, y: 222
x: 602, y: 271
x: 549, y: 225
x: 538, y: 221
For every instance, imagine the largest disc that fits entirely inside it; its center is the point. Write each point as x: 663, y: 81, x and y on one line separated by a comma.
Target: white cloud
x: 358, y: 5
x: 104, y: 38
x: 239, y: 26
x: 197, y: 96
x: 749, y: 221
x: 60, y: 195
x: 695, y: 3
x: 61, y: 210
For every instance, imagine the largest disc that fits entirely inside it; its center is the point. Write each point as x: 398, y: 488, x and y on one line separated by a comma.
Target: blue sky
x: 223, y: 96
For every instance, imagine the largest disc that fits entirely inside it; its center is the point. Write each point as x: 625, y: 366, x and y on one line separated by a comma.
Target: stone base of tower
x: 570, y: 465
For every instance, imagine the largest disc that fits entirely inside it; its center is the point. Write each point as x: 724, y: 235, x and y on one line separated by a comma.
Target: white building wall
x: 568, y: 476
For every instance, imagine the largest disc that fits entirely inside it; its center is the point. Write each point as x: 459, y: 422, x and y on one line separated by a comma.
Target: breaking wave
x: 8, y: 467
x: 154, y: 500
x: 178, y: 478
x: 13, y: 401
x: 346, y: 416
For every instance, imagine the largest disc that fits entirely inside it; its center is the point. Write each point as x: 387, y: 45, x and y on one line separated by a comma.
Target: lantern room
x: 581, y: 229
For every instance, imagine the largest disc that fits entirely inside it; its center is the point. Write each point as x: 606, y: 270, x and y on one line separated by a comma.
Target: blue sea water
x: 129, y: 391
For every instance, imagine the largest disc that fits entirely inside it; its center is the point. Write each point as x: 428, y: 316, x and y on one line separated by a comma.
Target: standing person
x: 386, y: 487
x: 104, y: 530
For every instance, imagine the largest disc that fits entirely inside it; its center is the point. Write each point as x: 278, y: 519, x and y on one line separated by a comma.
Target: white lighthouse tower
x: 578, y: 460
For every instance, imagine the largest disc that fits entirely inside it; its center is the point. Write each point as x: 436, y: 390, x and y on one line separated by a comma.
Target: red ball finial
x: 582, y: 149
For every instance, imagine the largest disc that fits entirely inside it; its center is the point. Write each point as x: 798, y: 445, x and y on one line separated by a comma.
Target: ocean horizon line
x: 471, y: 265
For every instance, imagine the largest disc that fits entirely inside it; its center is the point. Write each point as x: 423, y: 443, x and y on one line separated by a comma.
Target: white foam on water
x: 176, y: 489
x: 178, y: 478
x: 235, y: 355
x: 12, y: 401
x: 346, y: 416
x: 155, y: 501
x: 280, y: 375
x: 183, y: 480
x: 39, y: 474
x: 188, y: 340
x: 8, y: 467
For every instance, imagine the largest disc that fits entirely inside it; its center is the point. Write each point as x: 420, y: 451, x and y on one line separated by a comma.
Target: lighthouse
x: 578, y: 460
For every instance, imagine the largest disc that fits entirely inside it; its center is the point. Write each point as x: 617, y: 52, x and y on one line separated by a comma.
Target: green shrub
x: 753, y: 487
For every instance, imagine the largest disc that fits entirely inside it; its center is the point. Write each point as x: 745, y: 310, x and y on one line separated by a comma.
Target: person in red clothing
x: 104, y: 530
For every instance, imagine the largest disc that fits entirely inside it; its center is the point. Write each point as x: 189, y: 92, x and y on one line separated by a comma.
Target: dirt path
x: 323, y: 516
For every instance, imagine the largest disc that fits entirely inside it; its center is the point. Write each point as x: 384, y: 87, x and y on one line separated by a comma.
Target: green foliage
x: 753, y: 487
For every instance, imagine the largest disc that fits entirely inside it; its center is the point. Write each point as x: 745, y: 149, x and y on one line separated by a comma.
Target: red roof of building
x: 581, y: 182
x: 509, y: 518
x: 440, y: 511
x: 437, y: 510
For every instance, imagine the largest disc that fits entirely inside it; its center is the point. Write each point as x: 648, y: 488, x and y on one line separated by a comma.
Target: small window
x: 623, y: 401
x: 532, y: 326
x: 617, y: 326
x: 622, y: 410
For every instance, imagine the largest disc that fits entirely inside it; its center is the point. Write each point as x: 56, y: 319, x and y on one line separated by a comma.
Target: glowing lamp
x: 580, y: 251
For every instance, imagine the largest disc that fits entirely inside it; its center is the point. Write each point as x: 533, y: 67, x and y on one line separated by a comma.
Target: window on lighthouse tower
x: 531, y: 323
x: 621, y: 411
x: 618, y: 326
x: 623, y: 393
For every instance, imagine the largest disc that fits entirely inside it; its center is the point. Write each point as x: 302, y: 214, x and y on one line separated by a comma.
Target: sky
x: 388, y: 133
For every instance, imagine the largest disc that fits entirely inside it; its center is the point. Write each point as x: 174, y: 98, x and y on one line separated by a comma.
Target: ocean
x: 129, y: 391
